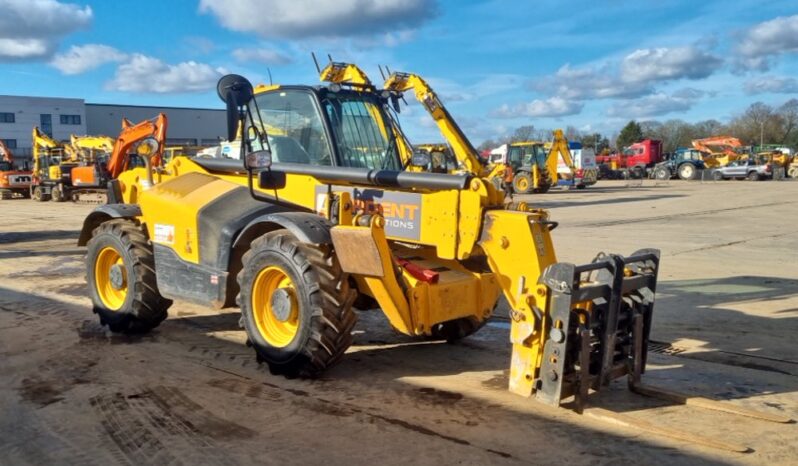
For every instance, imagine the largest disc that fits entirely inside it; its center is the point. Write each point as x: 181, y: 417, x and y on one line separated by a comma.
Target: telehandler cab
x: 318, y: 211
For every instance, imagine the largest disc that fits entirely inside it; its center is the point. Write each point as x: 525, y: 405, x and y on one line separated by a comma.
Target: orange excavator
x: 718, y: 150
x: 90, y: 183
x: 12, y: 181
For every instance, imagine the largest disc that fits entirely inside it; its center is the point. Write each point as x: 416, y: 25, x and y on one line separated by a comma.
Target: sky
x: 496, y: 64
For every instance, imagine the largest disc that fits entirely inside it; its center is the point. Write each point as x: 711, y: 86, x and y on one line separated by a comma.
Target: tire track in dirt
x: 160, y: 425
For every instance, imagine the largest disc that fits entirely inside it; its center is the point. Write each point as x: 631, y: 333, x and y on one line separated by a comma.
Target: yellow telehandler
x: 318, y: 211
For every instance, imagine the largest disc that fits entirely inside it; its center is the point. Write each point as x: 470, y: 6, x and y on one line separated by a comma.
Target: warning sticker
x: 164, y: 234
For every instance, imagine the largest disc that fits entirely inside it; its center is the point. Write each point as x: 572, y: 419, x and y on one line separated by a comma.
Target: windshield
x: 362, y: 131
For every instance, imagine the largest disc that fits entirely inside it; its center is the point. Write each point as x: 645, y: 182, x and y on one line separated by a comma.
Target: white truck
x: 585, y: 167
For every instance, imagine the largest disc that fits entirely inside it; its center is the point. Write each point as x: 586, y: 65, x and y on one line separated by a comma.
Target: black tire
x: 456, y: 329
x: 144, y: 308
x: 39, y: 196
x: 753, y: 176
x: 662, y: 174
x: 522, y: 183
x: 57, y: 194
x: 717, y: 176
x: 325, y: 317
x: 25, y: 194
x: 687, y: 171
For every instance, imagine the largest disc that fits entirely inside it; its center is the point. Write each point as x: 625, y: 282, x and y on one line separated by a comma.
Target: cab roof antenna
x: 318, y: 70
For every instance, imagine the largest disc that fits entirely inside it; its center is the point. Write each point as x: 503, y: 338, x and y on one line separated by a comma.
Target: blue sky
x: 497, y: 64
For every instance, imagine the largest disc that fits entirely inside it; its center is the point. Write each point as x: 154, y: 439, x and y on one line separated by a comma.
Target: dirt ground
x: 191, y: 392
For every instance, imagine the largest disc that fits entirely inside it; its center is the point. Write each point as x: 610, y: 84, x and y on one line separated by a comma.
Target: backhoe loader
x: 318, y: 211
x: 535, y: 166
x: 12, y: 180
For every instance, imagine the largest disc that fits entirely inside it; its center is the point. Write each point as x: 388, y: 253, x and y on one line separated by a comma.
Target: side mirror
x: 259, y: 160
x: 235, y: 91
x: 420, y: 159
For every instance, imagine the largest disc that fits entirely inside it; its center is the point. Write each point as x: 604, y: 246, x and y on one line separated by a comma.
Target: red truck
x: 639, y: 158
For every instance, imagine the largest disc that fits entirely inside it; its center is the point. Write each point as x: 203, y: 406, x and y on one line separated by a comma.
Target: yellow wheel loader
x: 318, y: 212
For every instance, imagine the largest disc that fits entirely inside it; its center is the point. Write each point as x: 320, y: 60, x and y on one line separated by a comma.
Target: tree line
x: 759, y: 123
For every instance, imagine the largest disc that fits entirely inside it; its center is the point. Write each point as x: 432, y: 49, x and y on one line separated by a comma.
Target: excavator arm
x: 559, y: 147
x: 79, y: 146
x: 463, y: 150
x: 130, y: 135
x: 726, y: 144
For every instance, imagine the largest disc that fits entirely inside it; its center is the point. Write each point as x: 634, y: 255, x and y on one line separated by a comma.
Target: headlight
x: 147, y: 147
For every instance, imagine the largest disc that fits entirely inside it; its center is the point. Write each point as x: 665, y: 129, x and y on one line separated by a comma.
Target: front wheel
x: 753, y: 176
x: 662, y: 174
x: 687, y: 172
x: 522, y: 183
x: 120, y: 270
x: 717, y: 176
x: 296, y: 305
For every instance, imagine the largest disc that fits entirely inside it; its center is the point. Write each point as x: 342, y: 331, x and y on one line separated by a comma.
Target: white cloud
x: 662, y: 64
x: 656, y: 105
x: 771, y: 84
x: 766, y: 40
x: 262, y: 55
x: 552, y: 107
x: 588, y: 82
x: 319, y: 18
x: 150, y: 75
x: 81, y: 58
x: 634, y: 76
x: 31, y: 29
x: 24, y: 48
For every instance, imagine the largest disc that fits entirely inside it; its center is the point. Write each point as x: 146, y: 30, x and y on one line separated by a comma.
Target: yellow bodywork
x: 456, y: 225
x: 466, y: 248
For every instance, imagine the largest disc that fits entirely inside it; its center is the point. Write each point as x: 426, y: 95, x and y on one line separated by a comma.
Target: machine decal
x: 402, y: 211
x: 164, y: 234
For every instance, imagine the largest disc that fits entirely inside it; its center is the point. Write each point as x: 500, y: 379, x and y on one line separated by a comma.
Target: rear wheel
x: 522, y: 183
x: 38, y: 194
x: 296, y: 305
x: 687, y: 171
x: 57, y: 194
x: 753, y: 176
x: 120, y: 270
x: 793, y: 172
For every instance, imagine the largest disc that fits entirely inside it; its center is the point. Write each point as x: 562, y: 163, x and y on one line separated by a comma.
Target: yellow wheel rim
x: 522, y: 184
x: 275, y: 307
x: 110, y: 278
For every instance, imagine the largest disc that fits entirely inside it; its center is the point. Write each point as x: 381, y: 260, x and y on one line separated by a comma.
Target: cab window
x: 294, y: 127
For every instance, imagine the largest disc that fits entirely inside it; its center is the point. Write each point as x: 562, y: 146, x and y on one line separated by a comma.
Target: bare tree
x: 523, y: 133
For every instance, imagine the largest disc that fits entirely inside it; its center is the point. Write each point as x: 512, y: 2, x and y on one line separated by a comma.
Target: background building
x: 56, y: 116
x: 61, y: 117
x: 187, y: 126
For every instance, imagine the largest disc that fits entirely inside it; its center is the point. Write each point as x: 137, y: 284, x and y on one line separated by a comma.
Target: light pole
x: 761, y: 134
